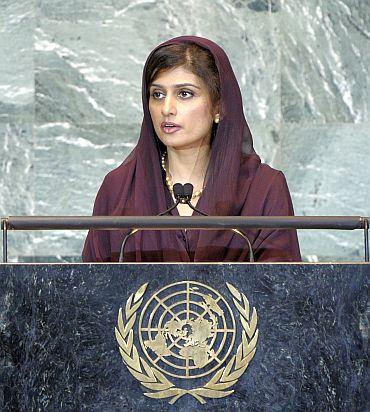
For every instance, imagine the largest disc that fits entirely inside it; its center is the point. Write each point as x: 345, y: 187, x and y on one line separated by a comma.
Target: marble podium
x: 136, y: 337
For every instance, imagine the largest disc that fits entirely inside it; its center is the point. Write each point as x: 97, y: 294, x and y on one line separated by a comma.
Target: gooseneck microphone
x: 188, y: 193
x: 178, y: 192
x: 183, y: 195
x: 186, y: 198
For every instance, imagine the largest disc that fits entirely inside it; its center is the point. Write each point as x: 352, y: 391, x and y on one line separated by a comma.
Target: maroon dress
x: 237, y: 184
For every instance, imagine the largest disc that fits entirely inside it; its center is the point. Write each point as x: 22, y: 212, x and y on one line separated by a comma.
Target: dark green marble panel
x: 332, y: 177
x: 71, y: 70
x: 325, y: 60
x: 17, y: 24
x: 17, y: 183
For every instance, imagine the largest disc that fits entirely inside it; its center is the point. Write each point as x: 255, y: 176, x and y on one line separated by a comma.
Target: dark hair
x: 192, y: 57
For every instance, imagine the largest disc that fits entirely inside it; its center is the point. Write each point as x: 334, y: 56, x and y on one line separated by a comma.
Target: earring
x: 217, y: 118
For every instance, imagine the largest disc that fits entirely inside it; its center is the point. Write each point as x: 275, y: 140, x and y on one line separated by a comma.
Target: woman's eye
x: 157, y: 95
x: 186, y: 94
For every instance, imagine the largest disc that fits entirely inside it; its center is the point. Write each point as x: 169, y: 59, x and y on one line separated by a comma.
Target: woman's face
x: 181, y: 109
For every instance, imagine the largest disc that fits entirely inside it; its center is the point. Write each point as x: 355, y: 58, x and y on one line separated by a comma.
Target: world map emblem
x: 187, y: 331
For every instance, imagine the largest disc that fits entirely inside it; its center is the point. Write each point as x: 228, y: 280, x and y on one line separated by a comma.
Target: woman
x: 193, y: 131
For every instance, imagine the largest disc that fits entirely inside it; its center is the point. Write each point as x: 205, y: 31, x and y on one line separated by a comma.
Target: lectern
x: 166, y: 336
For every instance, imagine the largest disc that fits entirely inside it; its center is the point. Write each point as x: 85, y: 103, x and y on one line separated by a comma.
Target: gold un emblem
x: 187, y: 331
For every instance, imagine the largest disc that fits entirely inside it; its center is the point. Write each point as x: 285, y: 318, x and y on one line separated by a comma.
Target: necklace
x: 169, y: 182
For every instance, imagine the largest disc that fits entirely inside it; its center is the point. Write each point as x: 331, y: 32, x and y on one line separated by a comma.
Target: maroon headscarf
x: 236, y: 184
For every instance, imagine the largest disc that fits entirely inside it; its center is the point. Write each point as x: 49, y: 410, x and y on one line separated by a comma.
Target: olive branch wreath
x: 154, y: 380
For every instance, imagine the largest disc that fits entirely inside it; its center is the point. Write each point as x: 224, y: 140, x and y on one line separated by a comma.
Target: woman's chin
x: 184, y: 144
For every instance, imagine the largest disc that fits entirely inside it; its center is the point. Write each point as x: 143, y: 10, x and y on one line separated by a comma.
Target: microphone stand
x: 183, y: 194
x: 178, y: 191
x: 188, y: 192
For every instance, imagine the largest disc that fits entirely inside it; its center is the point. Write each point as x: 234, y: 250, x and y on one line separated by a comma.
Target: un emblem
x: 187, y: 330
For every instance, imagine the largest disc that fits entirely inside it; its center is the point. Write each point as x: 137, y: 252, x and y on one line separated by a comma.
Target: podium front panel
x: 113, y: 337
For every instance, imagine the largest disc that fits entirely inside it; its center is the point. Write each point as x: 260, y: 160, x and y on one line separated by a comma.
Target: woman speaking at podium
x: 193, y: 131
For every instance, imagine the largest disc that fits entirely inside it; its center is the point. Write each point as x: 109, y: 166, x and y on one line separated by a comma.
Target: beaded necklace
x: 169, y: 182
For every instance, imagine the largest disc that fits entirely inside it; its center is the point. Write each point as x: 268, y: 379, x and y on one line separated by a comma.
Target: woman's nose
x: 169, y: 106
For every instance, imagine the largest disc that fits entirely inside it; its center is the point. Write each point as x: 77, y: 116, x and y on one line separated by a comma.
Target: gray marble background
x: 70, y: 103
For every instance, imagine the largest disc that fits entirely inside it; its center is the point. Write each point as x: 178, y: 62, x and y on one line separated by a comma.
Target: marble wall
x: 70, y: 103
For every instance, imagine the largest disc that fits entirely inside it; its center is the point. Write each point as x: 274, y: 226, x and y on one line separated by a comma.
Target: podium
x: 137, y: 337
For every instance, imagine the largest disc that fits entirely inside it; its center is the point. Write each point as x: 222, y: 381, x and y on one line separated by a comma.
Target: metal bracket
x: 366, y: 239
x: 4, y: 228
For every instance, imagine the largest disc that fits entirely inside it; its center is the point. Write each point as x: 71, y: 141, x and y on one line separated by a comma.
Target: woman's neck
x: 189, y: 165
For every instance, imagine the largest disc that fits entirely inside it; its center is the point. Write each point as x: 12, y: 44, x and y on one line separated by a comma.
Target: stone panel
x: 328, y: 171
x: 296, y: 62
x: 59, y: 351
x: 17, y: 181
x: 16, y: 61
x: 70, y: 164
x: 325, y: 60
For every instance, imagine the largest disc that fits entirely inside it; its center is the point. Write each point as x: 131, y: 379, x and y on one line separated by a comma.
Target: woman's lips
x: 169, y: 127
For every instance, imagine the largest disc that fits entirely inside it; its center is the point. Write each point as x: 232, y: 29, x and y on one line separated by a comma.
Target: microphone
x: 178, y: 192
